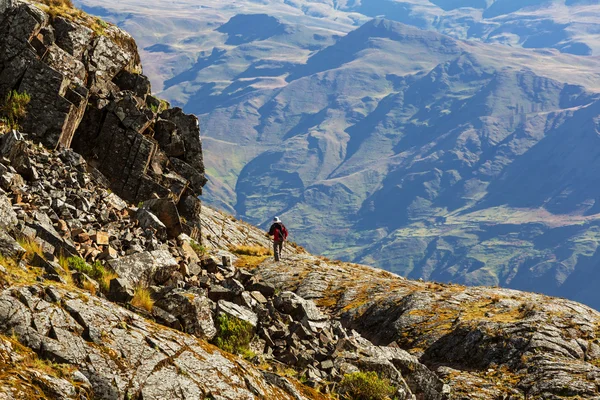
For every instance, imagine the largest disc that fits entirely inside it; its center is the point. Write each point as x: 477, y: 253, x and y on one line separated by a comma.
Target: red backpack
x: 278, y: 232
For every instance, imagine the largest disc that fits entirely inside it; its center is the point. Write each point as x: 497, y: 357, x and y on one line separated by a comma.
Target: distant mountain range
x: 459, y: 144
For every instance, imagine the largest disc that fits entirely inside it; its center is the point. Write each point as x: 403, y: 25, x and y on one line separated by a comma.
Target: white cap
x: 276, y: 219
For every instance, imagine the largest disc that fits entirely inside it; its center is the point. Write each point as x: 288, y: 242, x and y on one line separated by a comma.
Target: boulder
x: 292, y: 304
x: 148, y: 220
x: 120, y: 291
x: 136, y: 83
x: 237, y: 311
x: 218, y: 292
x: 140, y: 269
x: 8, y: 218
x: 9, y: 247
x: 193, y: 311
x: 166, y: 211
x: 71, y: 37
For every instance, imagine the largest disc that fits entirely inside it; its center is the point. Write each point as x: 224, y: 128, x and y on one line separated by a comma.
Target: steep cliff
x: 88, y: 93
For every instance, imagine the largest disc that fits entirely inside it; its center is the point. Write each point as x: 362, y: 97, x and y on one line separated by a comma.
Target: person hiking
x: 279, y: 234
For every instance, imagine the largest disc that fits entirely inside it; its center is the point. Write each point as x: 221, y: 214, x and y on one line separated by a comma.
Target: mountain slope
x: 423, y: 154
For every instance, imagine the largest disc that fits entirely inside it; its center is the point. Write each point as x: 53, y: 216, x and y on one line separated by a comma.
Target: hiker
x: 279, y: 234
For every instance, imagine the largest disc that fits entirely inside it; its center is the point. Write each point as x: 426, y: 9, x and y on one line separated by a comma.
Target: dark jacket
x: 278, y: 232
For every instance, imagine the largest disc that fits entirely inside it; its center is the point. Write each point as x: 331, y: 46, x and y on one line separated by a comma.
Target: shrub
x: 365, y: 386
x: 233, y: 335
x: 142, y: 299
x: 14, y: 108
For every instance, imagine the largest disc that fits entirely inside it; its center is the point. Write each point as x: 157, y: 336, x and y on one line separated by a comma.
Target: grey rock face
x: 486, y: 334
x: 87, y: 92
x: 9, y: 246
x: 237, y: 311
x: 8, y: 218
x: 294, y: 305
x: 133, y: 356
x: 193, y: 311
x: 143, y: 268
x: 120, y: 291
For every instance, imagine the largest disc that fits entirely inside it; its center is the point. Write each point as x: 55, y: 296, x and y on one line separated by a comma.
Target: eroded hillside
x: 115, y: 284
x: 461, y: 134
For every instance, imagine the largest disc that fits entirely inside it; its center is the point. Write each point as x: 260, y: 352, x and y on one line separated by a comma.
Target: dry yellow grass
x: 256, y: 251
x: 15, y: 274
x: 31, y: 247
x: 89, y: 286
x: 142, y: 299
x: 104, y: 281
x: 249, y: 262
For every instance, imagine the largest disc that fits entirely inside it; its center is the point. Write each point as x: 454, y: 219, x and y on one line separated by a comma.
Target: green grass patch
x: 96, y: 270
x: 365, y: 386
x: 233, y: 335
x: 198, y: 248
x: 14, y: 108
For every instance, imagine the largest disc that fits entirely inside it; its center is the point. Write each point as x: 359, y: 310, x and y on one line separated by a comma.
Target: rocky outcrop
x: 87, y: 92
x: 80, y: 345
x: 120, y: 355
x: 482, y: 342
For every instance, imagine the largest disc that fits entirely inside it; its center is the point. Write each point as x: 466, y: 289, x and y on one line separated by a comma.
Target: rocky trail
x: 117, y: 284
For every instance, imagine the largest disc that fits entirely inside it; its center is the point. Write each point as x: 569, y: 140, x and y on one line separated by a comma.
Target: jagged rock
x: 233, y: 285
x: 218, y: 292
x: 50, y: 267
x: 209, y: 264
x: 137, y: 83
x: 147, y: 220
x: 193, y: 311
x: 71, y: 37
x: 258, y: 296
x: 83, y: 280
x: 239, y: 312
x: 120, y: 291
x: 166, y: 211
x: 294, y: 305
x: 45, y: 231
x: 143, y: 268
x: 255, y: 284
x: 135, y: 356
x: 9, y: 247
x: 8, y: 218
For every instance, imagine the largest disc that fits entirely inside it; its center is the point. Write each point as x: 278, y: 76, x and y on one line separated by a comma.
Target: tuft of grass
x: 233, y: 335
x: 31, y: 248
x: 365, y: 386
x: 89, y: 286
x: 142, y: 299
x: 14, y: 108
x: 249, y: 262
x: 95, y: 271
x: 57, y: 3
x: 15, y: 274
x: 198, y: 248
x: 256, y: 251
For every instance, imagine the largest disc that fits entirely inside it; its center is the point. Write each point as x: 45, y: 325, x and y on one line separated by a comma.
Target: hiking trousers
x: 277, y: 248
